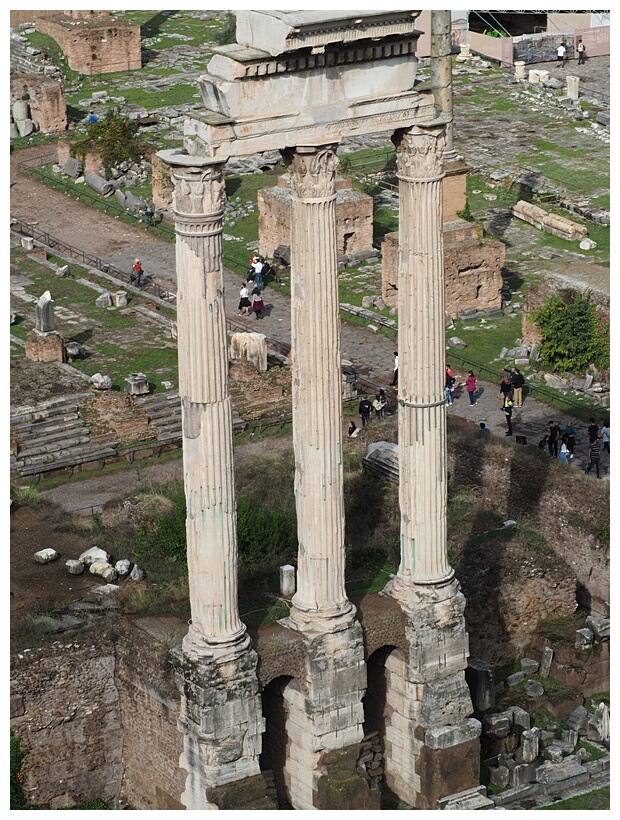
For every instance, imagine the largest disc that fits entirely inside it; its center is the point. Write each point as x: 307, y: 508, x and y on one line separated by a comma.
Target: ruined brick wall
x: 92, y: 161
x: 20, y: 16
x: 48, y: 107
x: 96, y: 45
x: 161, y: 183
x: 473, y: 269
x: 65, y: 707
x: 454, y: 190
x: 353, y: 218
x: 149, y: 703
x: 46, y: 348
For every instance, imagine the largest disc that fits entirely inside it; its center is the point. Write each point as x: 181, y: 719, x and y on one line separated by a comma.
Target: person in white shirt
x: 561, y: 52
x: 394, y: 382
x: 244, y: 300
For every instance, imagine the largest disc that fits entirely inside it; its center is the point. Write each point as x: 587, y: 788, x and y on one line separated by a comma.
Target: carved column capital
x: 419, y: 152
x: 312, y: 169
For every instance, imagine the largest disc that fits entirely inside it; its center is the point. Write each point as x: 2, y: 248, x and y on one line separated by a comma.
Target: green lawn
x: 597, y: 800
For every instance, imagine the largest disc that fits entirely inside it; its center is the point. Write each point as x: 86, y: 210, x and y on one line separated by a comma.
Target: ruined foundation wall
x: 473, y: 269
x: 66, y: 709
x: 96, y: 46
x: 48, y: 107
x: 353, y: 218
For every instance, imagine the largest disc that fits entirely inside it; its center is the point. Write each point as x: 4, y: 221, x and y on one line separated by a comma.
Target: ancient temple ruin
x: 299, y: 82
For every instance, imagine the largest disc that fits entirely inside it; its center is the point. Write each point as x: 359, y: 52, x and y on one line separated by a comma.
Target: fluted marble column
x: 421, y: 374
x: 320, y: 602
x: 206, y: 406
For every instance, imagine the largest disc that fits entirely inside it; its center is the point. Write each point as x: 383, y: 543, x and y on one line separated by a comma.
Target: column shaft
x: 206, y: 406
x: 421, y: 343
x: 317, y: 404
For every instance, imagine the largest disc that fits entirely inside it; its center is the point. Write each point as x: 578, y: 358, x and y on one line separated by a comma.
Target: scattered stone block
x: 94, y: 554
x: 578, y: 720
x: 522, y: 774
x: 552, y: 223
x: 496, y: 725
x: 518, y: 793
x: 545, y: 662
x: 73, y: 349
x: 73, y: 167
x: 571, y: 738
x: 123, y: 567
x: 598, y: 725
x: 513, y: 680
x: 136, y: 384
x: 119, y: 298
x: 469, y: 800
x: 553, y: 754
x: 534, y: 689
x: 587, y: 244
x: 136, y: 573
x: 287, y: 581
x: 584, y: 638
x: 454, y: 341
x: 529, y: 666
x: 481, y: 681
x: 599, y: 628
x: 499, y: 776
x: 556, y: 777
x: 249, y: 347
x: 529, y: 747
x: 104, y: 300
x: 103, y: 570
x: 520, y: 717
x: 74, y: 566
x: 100, y: 382
x: 46, y: 555
x: 63, y: 270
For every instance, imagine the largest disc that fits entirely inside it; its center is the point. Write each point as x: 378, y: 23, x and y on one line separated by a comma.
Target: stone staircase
x: 22, y: 57
x: 164, y: 414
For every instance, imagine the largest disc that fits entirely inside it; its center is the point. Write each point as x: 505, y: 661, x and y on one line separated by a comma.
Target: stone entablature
x: 96, y: 45
x: 353, y: 217
x: 279, y: 32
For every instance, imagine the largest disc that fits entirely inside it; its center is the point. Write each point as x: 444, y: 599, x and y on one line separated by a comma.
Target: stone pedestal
x: 136, y: 384
x: 48, y: 347
x: 249, y: 347
x: 572, y: 87
x: 520, y: 70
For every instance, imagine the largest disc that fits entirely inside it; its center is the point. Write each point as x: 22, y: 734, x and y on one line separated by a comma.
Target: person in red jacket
x: 470, y: 383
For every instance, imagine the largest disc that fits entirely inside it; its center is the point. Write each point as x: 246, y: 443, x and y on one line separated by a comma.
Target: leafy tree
x: 228, y: 33
x: 573, y: 335
x: 115, y: 139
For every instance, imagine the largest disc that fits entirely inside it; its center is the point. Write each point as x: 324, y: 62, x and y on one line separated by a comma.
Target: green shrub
x: 573, y: 335
x: 17, y: 755
x: 115, y: 139
x: 228, y: 33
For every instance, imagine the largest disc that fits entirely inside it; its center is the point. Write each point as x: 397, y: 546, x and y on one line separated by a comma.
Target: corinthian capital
x: 312, y: 170
x: 419, y: 152
x: 199, y: 190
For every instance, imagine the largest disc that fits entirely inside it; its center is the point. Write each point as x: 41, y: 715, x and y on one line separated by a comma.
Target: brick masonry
x: 48, y: 107
x: 94, y: 42
x: 353, y: 217
x: 473, y: 268
x: 46, y: 348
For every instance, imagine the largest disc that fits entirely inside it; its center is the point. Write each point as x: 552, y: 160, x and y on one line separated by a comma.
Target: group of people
x: 251, y: 301
x: 511, y: 394
x: 562, y: 54
x: 470, y: 385
x: 561, y: 444
x: 380, y: 404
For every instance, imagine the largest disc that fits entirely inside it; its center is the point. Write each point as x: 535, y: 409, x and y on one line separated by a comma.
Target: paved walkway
x: 371, y: 355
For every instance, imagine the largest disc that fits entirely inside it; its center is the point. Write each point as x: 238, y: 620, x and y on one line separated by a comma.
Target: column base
x: 320, y: 622
x: 197, y: 648
x: 413, y: 592
x: 220, y: 719
x: 432, y: 742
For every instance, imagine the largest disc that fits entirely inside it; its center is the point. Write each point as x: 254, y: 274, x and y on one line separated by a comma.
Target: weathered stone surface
x: 598, y: 725
x: 545, y: 662
x: 552, y: 223
x: 46, y: 555
x: 533, y: 689
x: 104, y: 300
x: 99, y: 184
x: 522, y: 774
x: 529, y: 666
x: 480, y: 678
x: 119, y: 298
x: 443, y: 737
x: 516, y: 678
x: 470, y: 800
x: 73, y: 167
x: 100, y: 382
x: 578, y: 720
x: 136, y: 384
x: 553, y: 754
x: 287, y: 580
x: 454, y: 341
x: 45, y: 348
x: 251, y: 347
x: 44, y: 314
x: 103, y: 570
x: 528, y: 749
x: 555, y: 777
x: 123, y: 567
x: 73, y: 350
x: 599, y: 627
x: 584, y: 638
x: 136, y: 573
x: 496, y: 725
x: 499, y: 776
x: 518, y: 793
x: 520, y: 717
x: 94, y: 554
x: 74, y: 566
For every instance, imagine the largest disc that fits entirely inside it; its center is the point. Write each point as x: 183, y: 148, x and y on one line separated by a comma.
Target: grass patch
x: 596, y: 800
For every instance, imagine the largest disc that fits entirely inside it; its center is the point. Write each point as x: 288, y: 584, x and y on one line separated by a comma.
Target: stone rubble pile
x: 370, y: 760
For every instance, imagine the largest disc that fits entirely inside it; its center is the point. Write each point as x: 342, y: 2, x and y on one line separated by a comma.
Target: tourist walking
x: 449, y: 386
x: 593, y: 430
x: 505, y: 389
x: 581, y: 51
x: 561, y: 54
x: 380, y: 403
x: 365, y: 410
x: 257, y: 303
x: 136, y: 276
x: 244, y: 300
x: 595, y: 457
x: 517, y: 387
x: 605, y: 437
x: 564, y: 450
x: 508, y: 414
x: 554, y: 437
x: 570, y: 433
x: 470, y: 384
x: 394, y: 382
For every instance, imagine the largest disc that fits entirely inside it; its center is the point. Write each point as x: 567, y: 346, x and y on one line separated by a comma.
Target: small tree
x: 114, y: 138
x: 573, y: 335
